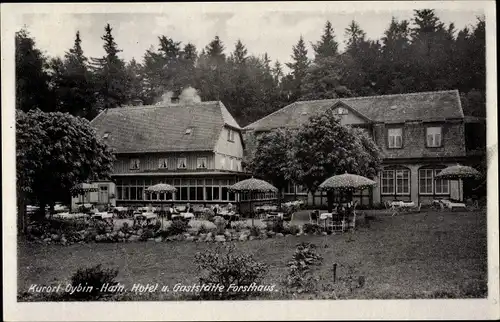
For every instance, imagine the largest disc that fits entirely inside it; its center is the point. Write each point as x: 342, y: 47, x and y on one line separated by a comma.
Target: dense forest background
x: 423, y: 54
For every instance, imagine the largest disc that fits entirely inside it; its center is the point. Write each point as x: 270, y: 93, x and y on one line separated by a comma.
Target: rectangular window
x: 208, y: 193
x: 223, y: 163
x: 216, y: 195
x: 184, y: 193
x: 433, y: 136
x: 426, y: 181
x: 201, y: 163
x: 140, y: 191
x: 230, y: 135
x: 442, y: 186
x: 395, y: 138
x: 135, y: 164
x: 402, y: 182
x: 199, y: 193
x: 162, y: 163
x: 224, y: 194
x: 231, y: 164
x: 388, y: 182
x: 192, y: 193
x: 133, y: 193
x: 181, y: 163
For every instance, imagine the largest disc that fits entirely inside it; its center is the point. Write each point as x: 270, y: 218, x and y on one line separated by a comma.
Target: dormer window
x: 188, y: 130
x: 162, y: 163
x: 395, y: 138
x: 181, y: 163
x: 433, y: 137
x: 341, y: 111
x: 230, y: 135
x: 135, y: 164
x: 106, y: 135
x: 201, y: 163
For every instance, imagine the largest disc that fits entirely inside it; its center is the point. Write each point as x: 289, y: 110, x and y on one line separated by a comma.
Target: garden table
x: 185, y: 215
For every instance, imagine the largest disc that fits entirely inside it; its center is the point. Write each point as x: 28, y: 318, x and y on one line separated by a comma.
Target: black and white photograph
x: 238, y: 158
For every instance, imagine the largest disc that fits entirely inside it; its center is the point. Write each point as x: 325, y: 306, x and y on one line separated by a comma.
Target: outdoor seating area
x: 399, y: 206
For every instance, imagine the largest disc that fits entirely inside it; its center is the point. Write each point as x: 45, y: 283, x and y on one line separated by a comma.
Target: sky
x: 270, y: 27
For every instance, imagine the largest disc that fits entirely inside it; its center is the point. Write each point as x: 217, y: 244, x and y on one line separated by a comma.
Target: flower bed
x: 67, y: 232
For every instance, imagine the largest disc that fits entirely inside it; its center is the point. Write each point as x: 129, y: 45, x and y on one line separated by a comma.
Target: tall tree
x: 323, y: 148
x: 299, y: 68
x: 327, y: 46
x: 73, y: 82
x: 271, y: 156
x: 239, y: 54
x: 32, y: 79
x: 110, y: 73
x: 56, y: 151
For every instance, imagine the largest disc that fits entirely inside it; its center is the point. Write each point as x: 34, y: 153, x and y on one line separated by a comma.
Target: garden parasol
x: 346, y: 182
x: 252, y: 185
x: 458, y: 172
x: 161, y: 188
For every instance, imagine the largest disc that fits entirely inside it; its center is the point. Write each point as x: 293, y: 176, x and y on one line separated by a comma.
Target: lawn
x: 422, y: 255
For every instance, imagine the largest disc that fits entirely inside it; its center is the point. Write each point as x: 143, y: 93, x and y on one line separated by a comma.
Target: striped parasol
x: 346, y: 181
x: 253, y: 185
x: 456, y: 172
x: 161, y: 188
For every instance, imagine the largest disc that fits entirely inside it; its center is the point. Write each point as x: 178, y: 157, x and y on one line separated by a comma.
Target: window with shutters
x: 135, y: 164
x: 181, y: 163
x: 395, y: 138
x: 433, y: 137
x: 162, y: 163
x: 201, y: 163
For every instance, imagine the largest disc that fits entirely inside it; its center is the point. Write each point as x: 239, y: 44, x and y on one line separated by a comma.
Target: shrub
x: 231, y: 270
x: 238, y: 225
x: 146, y: 234
x: 254, y: 231
x: 291, y: 229
x: 94, y: 277
x: 125, y: 228
x: 276, y: 226
x: 177, y: 227
x: 299, y: 274
x: 203, y: 229
x: 310, y: 228
x: 220, y: 223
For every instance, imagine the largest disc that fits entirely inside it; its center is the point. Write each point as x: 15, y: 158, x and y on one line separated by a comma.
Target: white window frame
x: 434, y: 136
x: 385, y: 182
x: 135, y: 164
x: 179, y: 162
x: 396, y: 189
x: 163, y: 163
x: 230, y: 135
x: 405, y: 174
x: 231, y: 163
x: 223, y: 162
x: 200, y: 161
x: 396, y: 133
x: 426, y: 176
x: 443, y: 183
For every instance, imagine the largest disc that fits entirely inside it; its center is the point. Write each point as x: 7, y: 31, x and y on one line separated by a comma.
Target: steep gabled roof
x: 397, y: 108
x: 163, y: 128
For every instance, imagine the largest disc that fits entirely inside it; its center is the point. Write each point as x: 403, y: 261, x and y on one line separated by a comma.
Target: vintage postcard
x: 250, y: 161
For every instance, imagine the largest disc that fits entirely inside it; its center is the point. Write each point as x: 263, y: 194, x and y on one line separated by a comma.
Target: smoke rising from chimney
x: 189, y: 95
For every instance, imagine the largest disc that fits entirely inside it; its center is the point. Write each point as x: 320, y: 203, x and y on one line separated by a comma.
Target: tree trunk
x: 329, y: 196
x: 40, y: 214
x: 313, y: 192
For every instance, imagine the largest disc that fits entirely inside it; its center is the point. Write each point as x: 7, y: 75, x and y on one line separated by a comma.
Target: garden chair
x: 336, y: 223
x: 314, y: 217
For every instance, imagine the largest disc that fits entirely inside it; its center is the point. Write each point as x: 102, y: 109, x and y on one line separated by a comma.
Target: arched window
x: 395, y: 181
x: 427, y: 183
